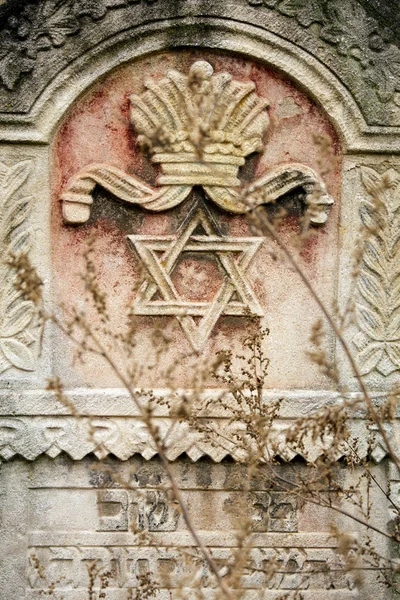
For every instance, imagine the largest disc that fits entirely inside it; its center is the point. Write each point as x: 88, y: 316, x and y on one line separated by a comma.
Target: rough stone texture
x: 38, y: 42
x: 67, y: 69
x: 67, y: 514
x: 98, y: 130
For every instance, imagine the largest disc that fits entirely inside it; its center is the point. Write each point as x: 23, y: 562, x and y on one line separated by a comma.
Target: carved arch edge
x: 257, y: 43
x: 37, y: 33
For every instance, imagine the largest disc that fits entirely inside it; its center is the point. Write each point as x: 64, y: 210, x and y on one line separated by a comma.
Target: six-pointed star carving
x: 160, y: 255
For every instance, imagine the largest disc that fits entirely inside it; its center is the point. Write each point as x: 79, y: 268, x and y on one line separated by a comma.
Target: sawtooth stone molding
x: 124, y: 437
x: 106, y: 423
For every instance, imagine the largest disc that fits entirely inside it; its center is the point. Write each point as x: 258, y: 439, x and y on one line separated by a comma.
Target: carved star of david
x: 160, y: 254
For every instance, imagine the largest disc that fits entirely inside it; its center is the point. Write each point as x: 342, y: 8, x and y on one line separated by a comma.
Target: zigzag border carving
x: 123, y: 437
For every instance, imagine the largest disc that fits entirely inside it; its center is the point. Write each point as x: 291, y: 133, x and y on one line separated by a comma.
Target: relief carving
x: 16, y: 314
x: 121, y: 510
x: 159, y: 267
x: 343, y: 29
x: 31, y: 437
x: 42, y: 27
x: 199, y: 128
x: 64, y: 568
x: 346, y: 26
x: 270, y: 511
x: 378, y: 285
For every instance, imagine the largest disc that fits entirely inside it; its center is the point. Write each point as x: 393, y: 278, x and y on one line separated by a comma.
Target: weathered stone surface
x: 114, y: 428
x: 80, y: 81
x: 89, y: 136
x: 39, y: 41
x: 68, y: 514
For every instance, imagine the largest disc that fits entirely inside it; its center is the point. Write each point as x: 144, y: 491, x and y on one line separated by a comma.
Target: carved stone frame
x: 32, y: 421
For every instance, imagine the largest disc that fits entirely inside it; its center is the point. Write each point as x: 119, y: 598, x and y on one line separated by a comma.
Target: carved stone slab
x: 69, y: 516
x: 146, y: 125
x: 206, y: 275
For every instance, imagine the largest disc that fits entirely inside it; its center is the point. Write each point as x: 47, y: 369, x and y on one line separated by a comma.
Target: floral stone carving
x: 345, y: 25
x: 379, y: 280
x: 16, y: 314
x: 341, y: 28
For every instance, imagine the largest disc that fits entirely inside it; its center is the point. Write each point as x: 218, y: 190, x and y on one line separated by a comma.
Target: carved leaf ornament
x: 378, y: 302
x: 343, y: 25
x: 43, y: 26
x: 16, y: 314
x: 199, y: 128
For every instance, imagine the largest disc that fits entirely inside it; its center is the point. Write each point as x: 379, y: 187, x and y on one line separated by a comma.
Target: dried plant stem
x: 374, y: 479
x: 319, y: 502
x: 262, y: 222
x: 101, y: 351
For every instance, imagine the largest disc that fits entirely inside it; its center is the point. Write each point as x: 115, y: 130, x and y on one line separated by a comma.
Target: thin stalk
x: 342, y: 511
x: 258, y: 215
x: 160, y: 449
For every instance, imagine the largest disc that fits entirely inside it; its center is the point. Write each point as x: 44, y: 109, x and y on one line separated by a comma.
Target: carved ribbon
x: 77, y: 199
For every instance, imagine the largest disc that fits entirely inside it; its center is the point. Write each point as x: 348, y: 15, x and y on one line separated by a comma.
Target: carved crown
x: 199, y: 126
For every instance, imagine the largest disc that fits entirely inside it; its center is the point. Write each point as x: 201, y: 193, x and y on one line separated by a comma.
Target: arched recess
x: 66, y: 239
x: 214, y: 33
x: 308, y: 73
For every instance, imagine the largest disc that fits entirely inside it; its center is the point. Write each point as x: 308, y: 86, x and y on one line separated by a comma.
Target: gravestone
x: 136, y: 139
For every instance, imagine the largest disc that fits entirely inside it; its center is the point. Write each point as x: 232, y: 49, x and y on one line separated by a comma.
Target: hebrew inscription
x: 93, y: 528
x: 300, y: 568
x: 121, y: 510
x: 125, y: 510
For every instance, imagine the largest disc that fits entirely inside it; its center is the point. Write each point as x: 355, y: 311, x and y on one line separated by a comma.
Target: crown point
x: 201, y: 69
